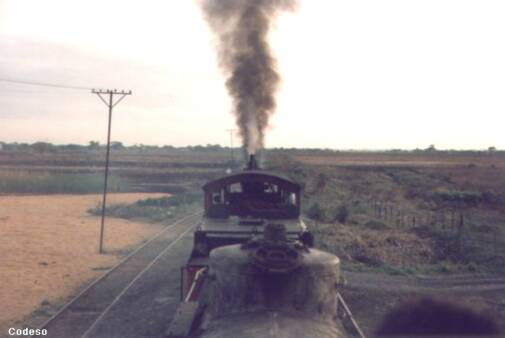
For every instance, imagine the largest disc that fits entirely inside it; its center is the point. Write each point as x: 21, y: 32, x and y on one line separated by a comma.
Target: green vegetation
x: 46, y: 147
x: 163, y: 209
x: 395, y: 270
x: 457, y: 226
x: 342, y: 213
x: 56, y: 183
x: 315, y: 212
x: 456, y: 196
x: 395, y: 212
x: 172, y: 201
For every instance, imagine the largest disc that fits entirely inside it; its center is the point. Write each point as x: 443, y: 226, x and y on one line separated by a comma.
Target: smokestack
x: 253, y: 164
x: 241, y: 28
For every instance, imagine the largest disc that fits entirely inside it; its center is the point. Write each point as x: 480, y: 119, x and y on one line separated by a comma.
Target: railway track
x: 79, y: 316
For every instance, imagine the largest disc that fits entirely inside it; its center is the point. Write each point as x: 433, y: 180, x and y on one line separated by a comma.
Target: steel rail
x: 137, y: 277
x: 120, y: 263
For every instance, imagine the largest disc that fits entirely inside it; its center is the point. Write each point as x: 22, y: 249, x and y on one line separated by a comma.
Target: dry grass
x: 385, y: 159
x: 374, y: 247
x: 472, y: 185
x: 48, y: 246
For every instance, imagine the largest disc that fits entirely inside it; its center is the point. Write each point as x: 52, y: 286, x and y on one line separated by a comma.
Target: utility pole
x: 231, y: 144
x: 110, y: 104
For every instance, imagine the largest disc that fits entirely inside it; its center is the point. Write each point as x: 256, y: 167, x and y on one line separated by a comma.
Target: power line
x: 44, y: 84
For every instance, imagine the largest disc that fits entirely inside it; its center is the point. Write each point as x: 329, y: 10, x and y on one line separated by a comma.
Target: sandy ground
x: 49, y: 244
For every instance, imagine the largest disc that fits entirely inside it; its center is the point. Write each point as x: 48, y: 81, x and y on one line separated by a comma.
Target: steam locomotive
x: 253, y: 271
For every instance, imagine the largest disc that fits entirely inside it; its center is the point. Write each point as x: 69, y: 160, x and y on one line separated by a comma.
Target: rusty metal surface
x: 275, y: 253
x: 234, y: 224
x: 236, y: 285
x: 247, y: 294
x: 272, y: 324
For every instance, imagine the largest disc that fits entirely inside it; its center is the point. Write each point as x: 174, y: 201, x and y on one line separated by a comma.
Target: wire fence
x: 459, y: 225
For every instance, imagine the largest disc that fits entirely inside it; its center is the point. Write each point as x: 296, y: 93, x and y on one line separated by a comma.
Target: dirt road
x: 371, y: 295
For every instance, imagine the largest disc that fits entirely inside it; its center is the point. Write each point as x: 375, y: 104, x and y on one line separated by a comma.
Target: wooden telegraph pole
x: 110, y: 104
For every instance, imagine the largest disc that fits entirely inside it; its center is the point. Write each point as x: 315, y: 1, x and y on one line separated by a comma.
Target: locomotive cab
x: 237, y: 207
x: 255, y: 195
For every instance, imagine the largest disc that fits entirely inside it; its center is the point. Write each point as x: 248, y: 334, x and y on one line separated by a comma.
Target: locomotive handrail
x: 349, y: 315
x: 245, y: 231
x: 198, y: 275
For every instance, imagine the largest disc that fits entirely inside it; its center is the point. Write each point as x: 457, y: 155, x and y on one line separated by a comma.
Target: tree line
x: 47, y: 147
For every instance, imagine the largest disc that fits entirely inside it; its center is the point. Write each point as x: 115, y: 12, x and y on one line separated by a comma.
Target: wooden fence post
x: 495, y: 241
x: 460, y: 231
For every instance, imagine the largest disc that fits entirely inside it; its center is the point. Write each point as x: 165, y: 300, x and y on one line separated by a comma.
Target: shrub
x: 315, y: 212
x: 175, y: 200
x: 467, y: 198
x: 395, y: 270
x: 321, y: 182
x: 342, y: 214
x: 43, y: 147
x: 376, y: 225
x: 152, y: 209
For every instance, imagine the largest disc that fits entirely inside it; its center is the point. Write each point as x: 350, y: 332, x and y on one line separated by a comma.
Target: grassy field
x: 394, y: 212
x: 158, y: 170
x: 406, y: 213
x: 44, y: 183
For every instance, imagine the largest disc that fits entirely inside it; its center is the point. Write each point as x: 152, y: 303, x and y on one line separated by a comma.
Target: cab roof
x: 253, y: 175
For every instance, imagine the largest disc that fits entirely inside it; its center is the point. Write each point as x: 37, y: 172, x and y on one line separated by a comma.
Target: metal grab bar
x: 198, y: 275
x: 348, y: 314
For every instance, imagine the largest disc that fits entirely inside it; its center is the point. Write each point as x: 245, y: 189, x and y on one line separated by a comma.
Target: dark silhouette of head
x: 433, y: 318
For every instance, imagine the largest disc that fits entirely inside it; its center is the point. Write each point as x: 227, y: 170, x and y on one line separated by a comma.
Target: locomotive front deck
x: 213, y: 233
x: 238, y: 227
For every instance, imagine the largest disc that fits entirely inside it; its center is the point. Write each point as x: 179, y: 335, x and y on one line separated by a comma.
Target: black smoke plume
x: 242, y: 27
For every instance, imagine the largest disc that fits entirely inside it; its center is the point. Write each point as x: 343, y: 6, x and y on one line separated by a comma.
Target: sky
x: 355, y: 74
